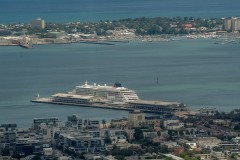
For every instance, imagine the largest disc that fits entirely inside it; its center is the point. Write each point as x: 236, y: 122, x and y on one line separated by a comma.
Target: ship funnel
x: 117, y: 84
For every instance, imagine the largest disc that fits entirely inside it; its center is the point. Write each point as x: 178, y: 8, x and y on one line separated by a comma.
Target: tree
x: 36, y: 158
x: 191, y: 131
x: 170, y: 132
x: 207, y: 125
x: 181, y: 132
x: 120, y: 157
x: 16, y: 155
x: 237, y: 127
x: 186, y: 146
x: 163, y: 149
x: 107, y: 140
x: 138, y: 134
x: 5, y: 152
x: 104, y: 123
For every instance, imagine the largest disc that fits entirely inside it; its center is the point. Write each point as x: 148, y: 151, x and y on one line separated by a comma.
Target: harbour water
x: 196, y: 72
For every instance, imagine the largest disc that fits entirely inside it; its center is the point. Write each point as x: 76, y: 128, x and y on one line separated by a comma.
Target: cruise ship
x: 110, y: 97
x: 116, y: 94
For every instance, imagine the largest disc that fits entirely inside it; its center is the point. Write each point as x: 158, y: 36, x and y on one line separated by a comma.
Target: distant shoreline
x: 105, y: 32
x: 217, y: 39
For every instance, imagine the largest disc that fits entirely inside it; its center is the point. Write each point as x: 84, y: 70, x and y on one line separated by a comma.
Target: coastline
x: 113, y: 41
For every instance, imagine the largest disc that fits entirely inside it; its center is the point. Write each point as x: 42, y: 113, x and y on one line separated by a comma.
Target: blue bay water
x: 14, y: 11
x: 196, y: 72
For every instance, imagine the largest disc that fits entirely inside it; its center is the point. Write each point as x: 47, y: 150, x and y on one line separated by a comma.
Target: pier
x: 97, y: 42
x: 114, y: 97
x: 95, y: 105
x: 147, y: 106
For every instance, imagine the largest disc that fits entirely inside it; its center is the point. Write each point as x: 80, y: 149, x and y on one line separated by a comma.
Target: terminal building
x: 157, y: 106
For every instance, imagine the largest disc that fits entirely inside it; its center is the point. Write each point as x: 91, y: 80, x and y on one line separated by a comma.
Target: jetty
x: 148, y: 106
x: 97, y: 42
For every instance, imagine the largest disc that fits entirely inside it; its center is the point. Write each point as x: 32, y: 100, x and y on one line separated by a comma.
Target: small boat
x: 26, y: 45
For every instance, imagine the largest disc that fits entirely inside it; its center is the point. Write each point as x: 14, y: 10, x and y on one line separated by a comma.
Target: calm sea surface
x: 196, y: 72
x: 12, y: 11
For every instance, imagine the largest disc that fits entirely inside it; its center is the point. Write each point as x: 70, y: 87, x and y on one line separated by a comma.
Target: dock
x: 97, y: 42
x: 147, y: 106
x: 95, y: 105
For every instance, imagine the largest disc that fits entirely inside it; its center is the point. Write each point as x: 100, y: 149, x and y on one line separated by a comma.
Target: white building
x: 232, y: 24
x: 236, y: 140
x: 227, y: 24
x: 136, y: 119
x: 38, y: 23
x: 172, y: 124
x: 235, y: 24
x: 47, y: 151
x: 207, y: 142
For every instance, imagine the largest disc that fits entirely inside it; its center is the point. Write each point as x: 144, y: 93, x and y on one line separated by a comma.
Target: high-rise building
x: 227, y: 23
x: 136, y: 118
x: 232, y: 24
x: 74, y: 122
x: 38, y: 23
x: 235, y: 24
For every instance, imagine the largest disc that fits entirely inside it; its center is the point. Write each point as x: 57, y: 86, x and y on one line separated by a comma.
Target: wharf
x: 118, y: 41
x: 7, y: 44
x: 147, y: 106
x: 95, y: 105
x: 97, y: 42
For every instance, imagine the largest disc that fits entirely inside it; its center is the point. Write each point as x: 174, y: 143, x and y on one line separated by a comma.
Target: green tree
x: 107, y: 140
x: 120, y: 157
x: 36, y: 158
x: 163, y: 149
x: 138, y: 134
x: 5, y: 152
x: 104, y: 123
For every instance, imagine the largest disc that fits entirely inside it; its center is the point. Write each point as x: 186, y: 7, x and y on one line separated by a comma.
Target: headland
x: 123, y: 30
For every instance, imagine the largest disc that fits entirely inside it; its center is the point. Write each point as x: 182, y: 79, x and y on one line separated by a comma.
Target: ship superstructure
x: 116, y: 94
